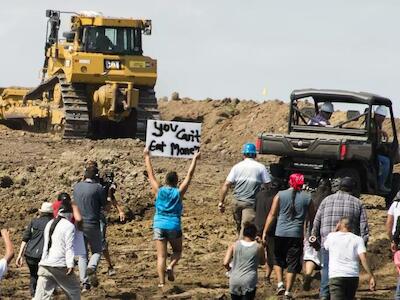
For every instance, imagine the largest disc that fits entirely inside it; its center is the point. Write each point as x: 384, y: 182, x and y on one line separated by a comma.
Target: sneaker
x: 307, y: 282
x: 85, y: 288
x: 92, y: 277
x: 170, y: 274
x: 288, y: 296
x: 280, y: 289
x: 111, y: 272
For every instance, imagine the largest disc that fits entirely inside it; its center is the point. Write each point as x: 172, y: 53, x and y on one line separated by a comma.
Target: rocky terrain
x: 35, y: 167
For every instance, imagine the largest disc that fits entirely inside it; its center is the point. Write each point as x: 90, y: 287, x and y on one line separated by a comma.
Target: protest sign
x: 173, y: 139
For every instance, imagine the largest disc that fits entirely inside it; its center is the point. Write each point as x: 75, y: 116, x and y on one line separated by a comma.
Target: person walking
x: 109, y: 188
x: 244, y: 256
x: 311, y: 256
x: 393, y: 215
x: 56, y: 267
x: 395, y: 246
x: 290, y: 207
x: 263, y: 206
x: 346, y: 250
x: 335, y: 206
x: 64, y: 199
x: 9, y: 252
x: 246, y: 178
x: 32, y: 244
x: 90, y: 198
x: 167, y: 218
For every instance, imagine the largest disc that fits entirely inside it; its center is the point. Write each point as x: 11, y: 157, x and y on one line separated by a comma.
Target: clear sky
x: 233, y: 48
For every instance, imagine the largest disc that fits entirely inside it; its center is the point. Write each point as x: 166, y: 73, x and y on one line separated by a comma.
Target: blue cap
x: 249, y: 148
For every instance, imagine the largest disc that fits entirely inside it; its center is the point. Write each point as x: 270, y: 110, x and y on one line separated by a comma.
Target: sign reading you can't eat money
x: 173, y: 139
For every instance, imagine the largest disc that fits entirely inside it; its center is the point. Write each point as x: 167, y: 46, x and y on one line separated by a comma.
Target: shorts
x: 310, y: 254
x: 166, y: 234
x: 289, y: 253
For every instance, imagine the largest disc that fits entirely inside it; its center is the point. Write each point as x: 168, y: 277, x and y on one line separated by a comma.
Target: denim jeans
x: 324, y: 289
x: 397, y: 295
x: 92, y: 236
x: 384, y: 169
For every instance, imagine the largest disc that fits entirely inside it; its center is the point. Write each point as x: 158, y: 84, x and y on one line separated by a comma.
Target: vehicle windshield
x: 113, y: 40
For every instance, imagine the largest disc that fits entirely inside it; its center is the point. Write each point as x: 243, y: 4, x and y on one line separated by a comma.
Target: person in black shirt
x: 32, y: 243
x: 263, y: 205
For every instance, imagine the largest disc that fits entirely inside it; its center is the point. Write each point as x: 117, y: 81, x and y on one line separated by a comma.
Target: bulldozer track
x: 147, y: 110
x: 76, y: 120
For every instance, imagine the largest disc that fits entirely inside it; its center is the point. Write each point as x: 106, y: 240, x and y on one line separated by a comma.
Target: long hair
x: 296, y: 181
x: 292, y: 208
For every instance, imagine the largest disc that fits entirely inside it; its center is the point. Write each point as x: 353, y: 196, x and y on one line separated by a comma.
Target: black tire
x: 395, y: 187
x: 352, y: 173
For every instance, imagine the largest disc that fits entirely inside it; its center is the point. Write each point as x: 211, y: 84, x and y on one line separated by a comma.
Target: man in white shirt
x: 56, y: 266
x: 345, y: 251
x: 392, y: 215
x: 246, y: 178
x: 9, y: 252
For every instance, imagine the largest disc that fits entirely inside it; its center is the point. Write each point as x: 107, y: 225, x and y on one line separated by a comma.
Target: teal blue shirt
x: 168, y: 209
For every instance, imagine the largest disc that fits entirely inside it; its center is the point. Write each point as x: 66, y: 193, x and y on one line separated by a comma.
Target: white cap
x: 381, y: 110
x: 46, y: 207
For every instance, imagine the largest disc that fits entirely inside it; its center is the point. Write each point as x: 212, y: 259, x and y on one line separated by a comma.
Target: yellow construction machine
x: 95, y: 81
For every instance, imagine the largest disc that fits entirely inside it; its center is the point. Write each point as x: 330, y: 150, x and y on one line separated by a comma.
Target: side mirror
x: 147, y: 27
x: 69, y: 36
x: 353, y: 115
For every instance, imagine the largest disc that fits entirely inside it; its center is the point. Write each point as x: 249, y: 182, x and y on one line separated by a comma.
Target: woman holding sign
x: 167, y: 217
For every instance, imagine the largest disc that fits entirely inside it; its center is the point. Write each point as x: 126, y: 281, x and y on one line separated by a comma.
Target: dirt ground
x: 40, y: 166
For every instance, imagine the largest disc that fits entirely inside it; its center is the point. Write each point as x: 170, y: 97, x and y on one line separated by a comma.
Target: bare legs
x: 161, y: 246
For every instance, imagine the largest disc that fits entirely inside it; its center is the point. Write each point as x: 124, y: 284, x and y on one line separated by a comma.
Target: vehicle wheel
x: 394, y: 189
x: 353, y: 173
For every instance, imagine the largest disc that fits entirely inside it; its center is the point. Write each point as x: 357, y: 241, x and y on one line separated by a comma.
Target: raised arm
x: 271, y: 216
x: 185, y: 184
x: 5, y: 234
x: 153, y: 181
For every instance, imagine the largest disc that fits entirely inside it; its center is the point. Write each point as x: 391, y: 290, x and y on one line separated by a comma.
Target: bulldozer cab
x: 112, y: 40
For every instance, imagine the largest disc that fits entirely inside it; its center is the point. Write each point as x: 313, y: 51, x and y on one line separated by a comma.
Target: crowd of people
x: 64, y: 234
x: 278, y: 223
x: 297, y: 231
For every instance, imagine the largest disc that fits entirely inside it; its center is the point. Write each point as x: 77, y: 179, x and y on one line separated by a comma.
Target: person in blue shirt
x: 167, y: 217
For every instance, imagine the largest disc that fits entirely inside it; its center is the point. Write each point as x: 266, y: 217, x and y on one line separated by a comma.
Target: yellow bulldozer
x: 95, y: 82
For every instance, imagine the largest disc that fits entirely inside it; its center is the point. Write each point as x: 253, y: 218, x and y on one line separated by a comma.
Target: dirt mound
x: 227, y: 124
